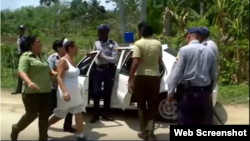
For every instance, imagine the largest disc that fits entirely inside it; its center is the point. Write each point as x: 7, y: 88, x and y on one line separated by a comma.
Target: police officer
x: 21, y: 46
x: 205, y: 40
x: 103, y: 72
x: 193, y: 76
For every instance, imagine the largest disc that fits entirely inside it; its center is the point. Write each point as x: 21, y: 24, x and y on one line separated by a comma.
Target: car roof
x: 127, y: 46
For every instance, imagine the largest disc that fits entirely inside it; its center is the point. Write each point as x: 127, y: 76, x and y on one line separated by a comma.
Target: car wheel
x: 167, y: 112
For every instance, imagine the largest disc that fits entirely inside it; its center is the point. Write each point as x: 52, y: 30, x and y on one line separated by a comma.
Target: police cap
x: 21, y: 27
x: 204, y: 31
x: 104, y: 27
x: 194, y: 30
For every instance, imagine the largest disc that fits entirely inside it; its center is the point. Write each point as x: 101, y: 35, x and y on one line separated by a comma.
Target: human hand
x: 32, y: 85
x: 170, y: 99
x: 66, y: 97
x: 130, y: 86
x: 54, y: 73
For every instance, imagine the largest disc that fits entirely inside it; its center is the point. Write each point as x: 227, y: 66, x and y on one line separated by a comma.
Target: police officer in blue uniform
x: 193, y: 76
x: 205, y: 40
x: 103, y: 73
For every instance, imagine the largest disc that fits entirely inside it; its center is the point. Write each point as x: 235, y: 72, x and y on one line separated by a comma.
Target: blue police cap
x: 104, y: 27
x: 204, y: 31
x: 194, y: 30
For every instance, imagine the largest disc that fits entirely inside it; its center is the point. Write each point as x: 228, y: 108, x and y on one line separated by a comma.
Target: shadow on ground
x: 130, y: 117
x: 220, y: 114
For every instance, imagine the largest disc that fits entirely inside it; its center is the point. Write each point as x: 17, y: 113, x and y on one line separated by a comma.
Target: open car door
x: 123, y: 95
x: 85, y: 66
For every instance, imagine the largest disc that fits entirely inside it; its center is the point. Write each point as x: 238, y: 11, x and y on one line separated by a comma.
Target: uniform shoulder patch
x: 177, y: 57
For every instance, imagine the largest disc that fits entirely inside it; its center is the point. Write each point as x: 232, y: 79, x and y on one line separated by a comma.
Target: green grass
x: 234, y: 94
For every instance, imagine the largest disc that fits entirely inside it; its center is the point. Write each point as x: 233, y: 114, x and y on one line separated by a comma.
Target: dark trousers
x: 36, y: 105
x: 146, y: 90
x: 99, y: 75
x: 68, y: 119
x: 194, y: 107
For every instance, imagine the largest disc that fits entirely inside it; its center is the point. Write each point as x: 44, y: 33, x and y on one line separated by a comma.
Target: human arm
x: 61, y: 68
x: 160, y: 58
x: 135, y: 64
x: 114, y: 57
x: 52, y: 65
x: 213, y: 72
x: 176, y: 73
x: 23, y: 68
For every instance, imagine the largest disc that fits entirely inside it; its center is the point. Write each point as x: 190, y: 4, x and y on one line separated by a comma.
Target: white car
x: 121, y: 98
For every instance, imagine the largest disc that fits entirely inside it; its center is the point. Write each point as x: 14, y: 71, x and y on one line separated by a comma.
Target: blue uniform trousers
x: 194, y: 106
x: 102, y: 74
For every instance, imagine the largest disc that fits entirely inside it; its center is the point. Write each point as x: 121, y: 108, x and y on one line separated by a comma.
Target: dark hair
x: 29, y: 41
x: 57, y: 44
x: 147, y: 31
x: 68, y: 44
x: 142, y: 24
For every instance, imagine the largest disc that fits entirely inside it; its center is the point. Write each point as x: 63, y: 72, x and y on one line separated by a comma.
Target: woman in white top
x: 69, y: 98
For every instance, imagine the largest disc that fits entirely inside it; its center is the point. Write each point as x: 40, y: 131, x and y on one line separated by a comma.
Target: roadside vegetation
x: 228, y: 21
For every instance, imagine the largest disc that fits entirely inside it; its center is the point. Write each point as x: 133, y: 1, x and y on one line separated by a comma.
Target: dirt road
x: 125, y: 127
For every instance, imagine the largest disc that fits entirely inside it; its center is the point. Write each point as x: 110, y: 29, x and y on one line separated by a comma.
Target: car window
x: 128, y: 63
x: 85, y: 63
x: 171, y: 51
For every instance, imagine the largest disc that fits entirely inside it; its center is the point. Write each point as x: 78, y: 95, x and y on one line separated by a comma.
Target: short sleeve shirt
x: 149, y: 51
x: 37, y: 70
x: 53, y: 61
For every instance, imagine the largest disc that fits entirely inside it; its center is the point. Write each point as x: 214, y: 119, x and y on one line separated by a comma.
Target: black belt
x: 109, y: 65
x: 182, y: 86
x: 103, y: 66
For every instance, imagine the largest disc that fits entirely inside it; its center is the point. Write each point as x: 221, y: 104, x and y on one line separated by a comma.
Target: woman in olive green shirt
x: 34, y: 70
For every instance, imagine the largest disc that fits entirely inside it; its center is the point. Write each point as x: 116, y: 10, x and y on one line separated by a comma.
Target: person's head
x: 147, y: 31
x: 103, y: 32
x: 192, y: 34
x: 21, y: 30
x: 71, y: 48
x: 58, y: 47
x: 33, y: 44
x: 140, y: 26
x: 204, y: 33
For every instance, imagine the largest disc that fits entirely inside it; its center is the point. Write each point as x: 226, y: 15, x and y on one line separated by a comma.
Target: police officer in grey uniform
x: 205, y: 40
x: 193, y: 75
x: 53, y: 59
x: 21, y: 46
x: 103, y: 72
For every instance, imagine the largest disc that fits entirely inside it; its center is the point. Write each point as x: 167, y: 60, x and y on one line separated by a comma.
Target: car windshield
x: 171, y: 51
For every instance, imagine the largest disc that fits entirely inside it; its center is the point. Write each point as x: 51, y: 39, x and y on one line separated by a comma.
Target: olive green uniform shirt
x: 38, y: 71
x: 149, y: 51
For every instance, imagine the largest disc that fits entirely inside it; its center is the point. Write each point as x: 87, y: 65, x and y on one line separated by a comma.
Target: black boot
x: 14, y: 133
x: 107, y: 118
